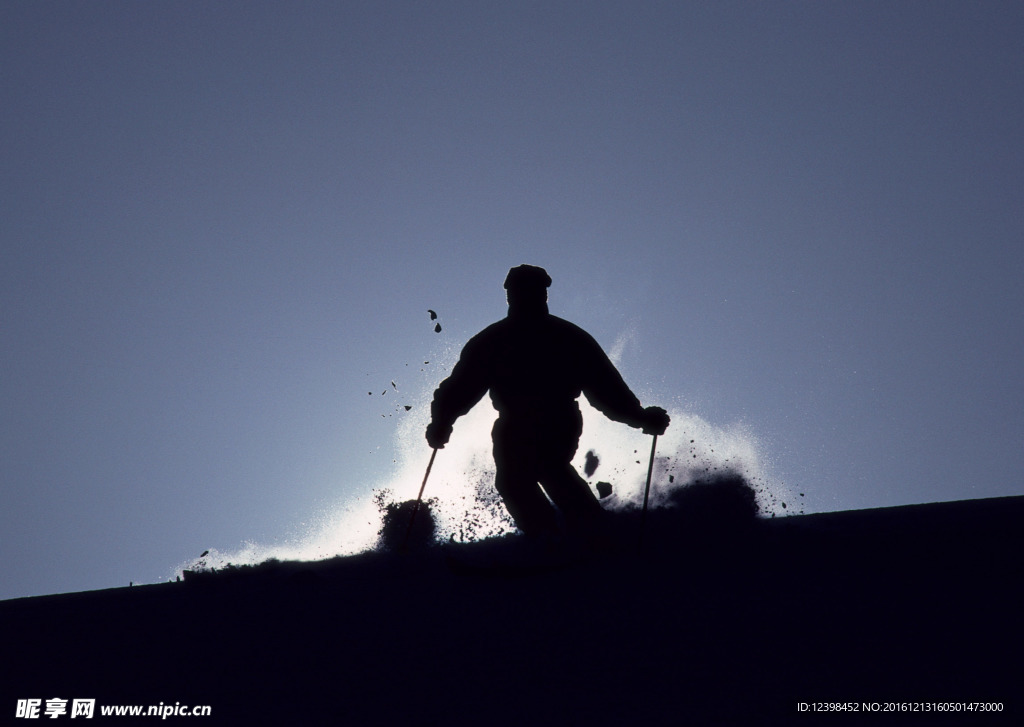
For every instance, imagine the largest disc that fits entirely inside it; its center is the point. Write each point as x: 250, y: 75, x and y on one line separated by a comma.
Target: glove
x: 437, y: 435
x: 655, y: 420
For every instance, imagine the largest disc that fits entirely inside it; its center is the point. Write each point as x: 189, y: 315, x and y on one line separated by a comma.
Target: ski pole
x: 647, y: 489
x: 419, y: 498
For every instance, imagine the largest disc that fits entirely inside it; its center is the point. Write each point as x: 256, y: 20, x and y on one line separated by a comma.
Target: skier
x: 535, y: 366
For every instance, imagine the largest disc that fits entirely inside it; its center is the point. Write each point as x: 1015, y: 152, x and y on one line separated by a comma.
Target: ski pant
x: 533, y: 457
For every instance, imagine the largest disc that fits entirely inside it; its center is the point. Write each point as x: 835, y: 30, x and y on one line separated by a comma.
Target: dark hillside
x: 723, y: 618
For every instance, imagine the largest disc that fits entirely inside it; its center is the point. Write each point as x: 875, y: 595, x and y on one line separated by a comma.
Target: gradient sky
x: 222, y: 225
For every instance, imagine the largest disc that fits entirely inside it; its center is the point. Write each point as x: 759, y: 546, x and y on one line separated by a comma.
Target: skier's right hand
x: 656, y: 420
x: 437, y: 435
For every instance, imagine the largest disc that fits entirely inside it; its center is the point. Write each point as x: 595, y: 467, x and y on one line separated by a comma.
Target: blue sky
x: 223, y: 224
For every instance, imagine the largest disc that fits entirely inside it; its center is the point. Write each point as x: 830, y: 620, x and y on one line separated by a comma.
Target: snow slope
x: 721, y: 618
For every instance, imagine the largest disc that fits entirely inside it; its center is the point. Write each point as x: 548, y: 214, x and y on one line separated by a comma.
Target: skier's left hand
x: 656, y: 420
x: 437, y: 435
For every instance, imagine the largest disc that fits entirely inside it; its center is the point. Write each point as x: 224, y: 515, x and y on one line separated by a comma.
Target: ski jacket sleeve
x: 606, y: 390
x: 465, y: 386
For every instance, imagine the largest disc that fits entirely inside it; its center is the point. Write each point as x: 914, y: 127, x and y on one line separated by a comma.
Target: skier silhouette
x: 535, y: 366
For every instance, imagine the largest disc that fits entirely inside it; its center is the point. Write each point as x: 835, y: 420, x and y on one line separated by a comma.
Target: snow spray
x: 612, y: 457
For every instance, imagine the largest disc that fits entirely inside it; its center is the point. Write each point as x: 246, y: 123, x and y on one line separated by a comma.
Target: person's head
x: 526, y: 289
